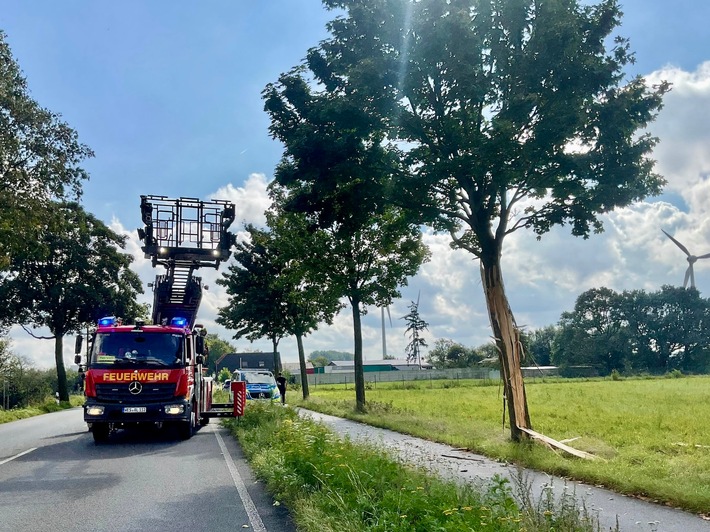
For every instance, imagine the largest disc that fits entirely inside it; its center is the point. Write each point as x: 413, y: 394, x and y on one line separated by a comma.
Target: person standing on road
x: 281, y: 384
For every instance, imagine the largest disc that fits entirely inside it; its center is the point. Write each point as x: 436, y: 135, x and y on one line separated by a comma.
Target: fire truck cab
x: 152, y: 374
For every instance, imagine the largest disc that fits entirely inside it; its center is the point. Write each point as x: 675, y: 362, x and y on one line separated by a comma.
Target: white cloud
x: 251, y: 200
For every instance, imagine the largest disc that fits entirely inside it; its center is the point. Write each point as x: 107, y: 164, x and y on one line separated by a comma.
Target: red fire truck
x: 141, y: 374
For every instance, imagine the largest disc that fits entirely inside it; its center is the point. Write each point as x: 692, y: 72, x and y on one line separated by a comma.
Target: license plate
x: 133, y: 409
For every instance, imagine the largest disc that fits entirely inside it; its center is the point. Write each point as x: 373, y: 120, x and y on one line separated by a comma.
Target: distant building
x: 235, y: 361
x: 374, y: 365
x: 294, y: 368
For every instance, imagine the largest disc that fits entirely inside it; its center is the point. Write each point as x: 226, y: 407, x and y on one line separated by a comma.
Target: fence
x: 348, y: 377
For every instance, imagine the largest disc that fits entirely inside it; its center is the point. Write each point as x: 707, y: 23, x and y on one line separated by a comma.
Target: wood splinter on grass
x: 558, y: 445
x: 697, y: 445
x: 462, y: 457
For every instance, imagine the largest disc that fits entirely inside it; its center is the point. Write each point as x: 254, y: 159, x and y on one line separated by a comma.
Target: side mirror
x: 199, y: 360
x: 77, y: 344
x: 199, y: 344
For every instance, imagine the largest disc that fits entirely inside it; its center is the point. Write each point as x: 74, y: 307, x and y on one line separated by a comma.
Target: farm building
x: 235, y: 361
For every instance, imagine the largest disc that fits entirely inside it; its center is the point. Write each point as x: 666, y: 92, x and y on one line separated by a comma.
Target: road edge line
x: 252, y: 513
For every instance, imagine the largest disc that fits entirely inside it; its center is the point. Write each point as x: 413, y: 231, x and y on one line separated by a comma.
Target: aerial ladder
x: 183, y: 235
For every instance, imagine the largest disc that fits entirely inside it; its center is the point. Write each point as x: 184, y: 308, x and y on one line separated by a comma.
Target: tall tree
x: 511, y: 114
x: 415, y: 327
x: 449, y: 354
x: 309, y: 299
x: 679, y: 324
x: 595, y: 333
x: 84, y: 276
x: 337, y: 171
x: 255, y: 306
x: 39, y: 160
x: 538, y: 345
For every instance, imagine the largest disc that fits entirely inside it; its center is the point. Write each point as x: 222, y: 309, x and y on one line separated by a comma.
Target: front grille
x: 260, y: 394
x: 151, y: 393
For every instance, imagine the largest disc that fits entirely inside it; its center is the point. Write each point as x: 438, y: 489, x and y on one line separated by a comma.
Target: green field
x: 652, y: 435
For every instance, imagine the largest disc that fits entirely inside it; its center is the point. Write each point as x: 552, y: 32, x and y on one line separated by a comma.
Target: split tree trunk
x: 302, y: 365
x: 277, y: 358
x: 510, y: 349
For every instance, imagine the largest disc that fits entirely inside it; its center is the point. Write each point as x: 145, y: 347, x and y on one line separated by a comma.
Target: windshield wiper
x: 119, y: 361
x: 157, y: 361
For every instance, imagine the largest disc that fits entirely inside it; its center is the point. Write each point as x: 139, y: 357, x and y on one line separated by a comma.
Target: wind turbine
x: 384, y: 337
x: 692, y: 259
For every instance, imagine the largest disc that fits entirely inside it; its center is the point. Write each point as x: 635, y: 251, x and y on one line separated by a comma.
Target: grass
x: 332, y: 484
x: 47, y: 406
x: 652, y: 434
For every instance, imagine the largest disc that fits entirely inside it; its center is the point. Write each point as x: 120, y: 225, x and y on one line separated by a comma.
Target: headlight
x: 174, y: 409
x: 94, y: 410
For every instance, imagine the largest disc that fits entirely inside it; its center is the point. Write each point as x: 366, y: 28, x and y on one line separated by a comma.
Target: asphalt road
x: 54, y: 478
x: 632, y: 515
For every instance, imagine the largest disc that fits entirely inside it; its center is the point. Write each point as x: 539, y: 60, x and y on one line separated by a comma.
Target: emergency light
x: 178, y: 322
x: 107, y: 321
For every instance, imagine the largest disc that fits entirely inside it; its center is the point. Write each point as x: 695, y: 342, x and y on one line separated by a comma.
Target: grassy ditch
x: 652, y: 434
x: 45, y: 407
x: 332, y: 484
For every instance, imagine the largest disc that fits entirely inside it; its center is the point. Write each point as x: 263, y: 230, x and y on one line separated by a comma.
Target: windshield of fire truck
x: 118, y: 349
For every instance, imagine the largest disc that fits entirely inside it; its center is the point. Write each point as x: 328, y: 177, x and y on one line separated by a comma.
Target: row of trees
x: 22, y: 384
x: 632, y: 332
x: 476, y: 118
x: 636, y: 331
x: 60, y: 267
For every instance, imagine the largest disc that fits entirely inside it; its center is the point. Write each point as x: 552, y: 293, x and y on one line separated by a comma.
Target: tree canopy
x: 255, y: 306
x: 636, y: 331
x: 484, y: 117
x: 82, y: 277
x: 273, y: 286
x: 39, y: 159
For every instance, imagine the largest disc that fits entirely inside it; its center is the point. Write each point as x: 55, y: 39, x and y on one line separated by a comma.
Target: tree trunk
x: 510, y: 348
x: 302, y: 364
x: 359, y: 375
x: 61, y: 372
x: 277, y: 358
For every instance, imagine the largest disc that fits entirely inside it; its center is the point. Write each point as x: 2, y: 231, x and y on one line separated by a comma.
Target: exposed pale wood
x: 558, y: 445
x: 569, y: 439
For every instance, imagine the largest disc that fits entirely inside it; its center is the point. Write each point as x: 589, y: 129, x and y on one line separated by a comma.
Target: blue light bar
x: 107, y: 321
x: 179, y: 322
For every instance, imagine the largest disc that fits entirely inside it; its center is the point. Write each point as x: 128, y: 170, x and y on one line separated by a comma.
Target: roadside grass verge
x: 652, y: 434
x: 332, y: 484
x: 45, y: 407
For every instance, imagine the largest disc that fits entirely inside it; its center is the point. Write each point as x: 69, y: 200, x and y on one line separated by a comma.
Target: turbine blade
x: 681, y: 246
x: 692, y: 276
x: 389, y: 316
x: 707, y: 255
x: 418, y: 294
x: 687, y: 275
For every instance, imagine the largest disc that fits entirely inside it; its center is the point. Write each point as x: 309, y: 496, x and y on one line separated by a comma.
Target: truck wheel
x: 204, y: 421
x: 101, y: 432
x: 187, y: 428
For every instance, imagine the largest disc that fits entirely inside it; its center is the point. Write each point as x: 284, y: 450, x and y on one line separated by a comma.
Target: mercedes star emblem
x: 135, y: 387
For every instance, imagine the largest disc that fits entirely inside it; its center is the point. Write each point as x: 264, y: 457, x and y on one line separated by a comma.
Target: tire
x: 204, y: 421
x: 101, y: 432
x: 187, y: 429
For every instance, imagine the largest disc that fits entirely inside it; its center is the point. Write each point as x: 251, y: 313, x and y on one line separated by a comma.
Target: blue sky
x: 168, y: 95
